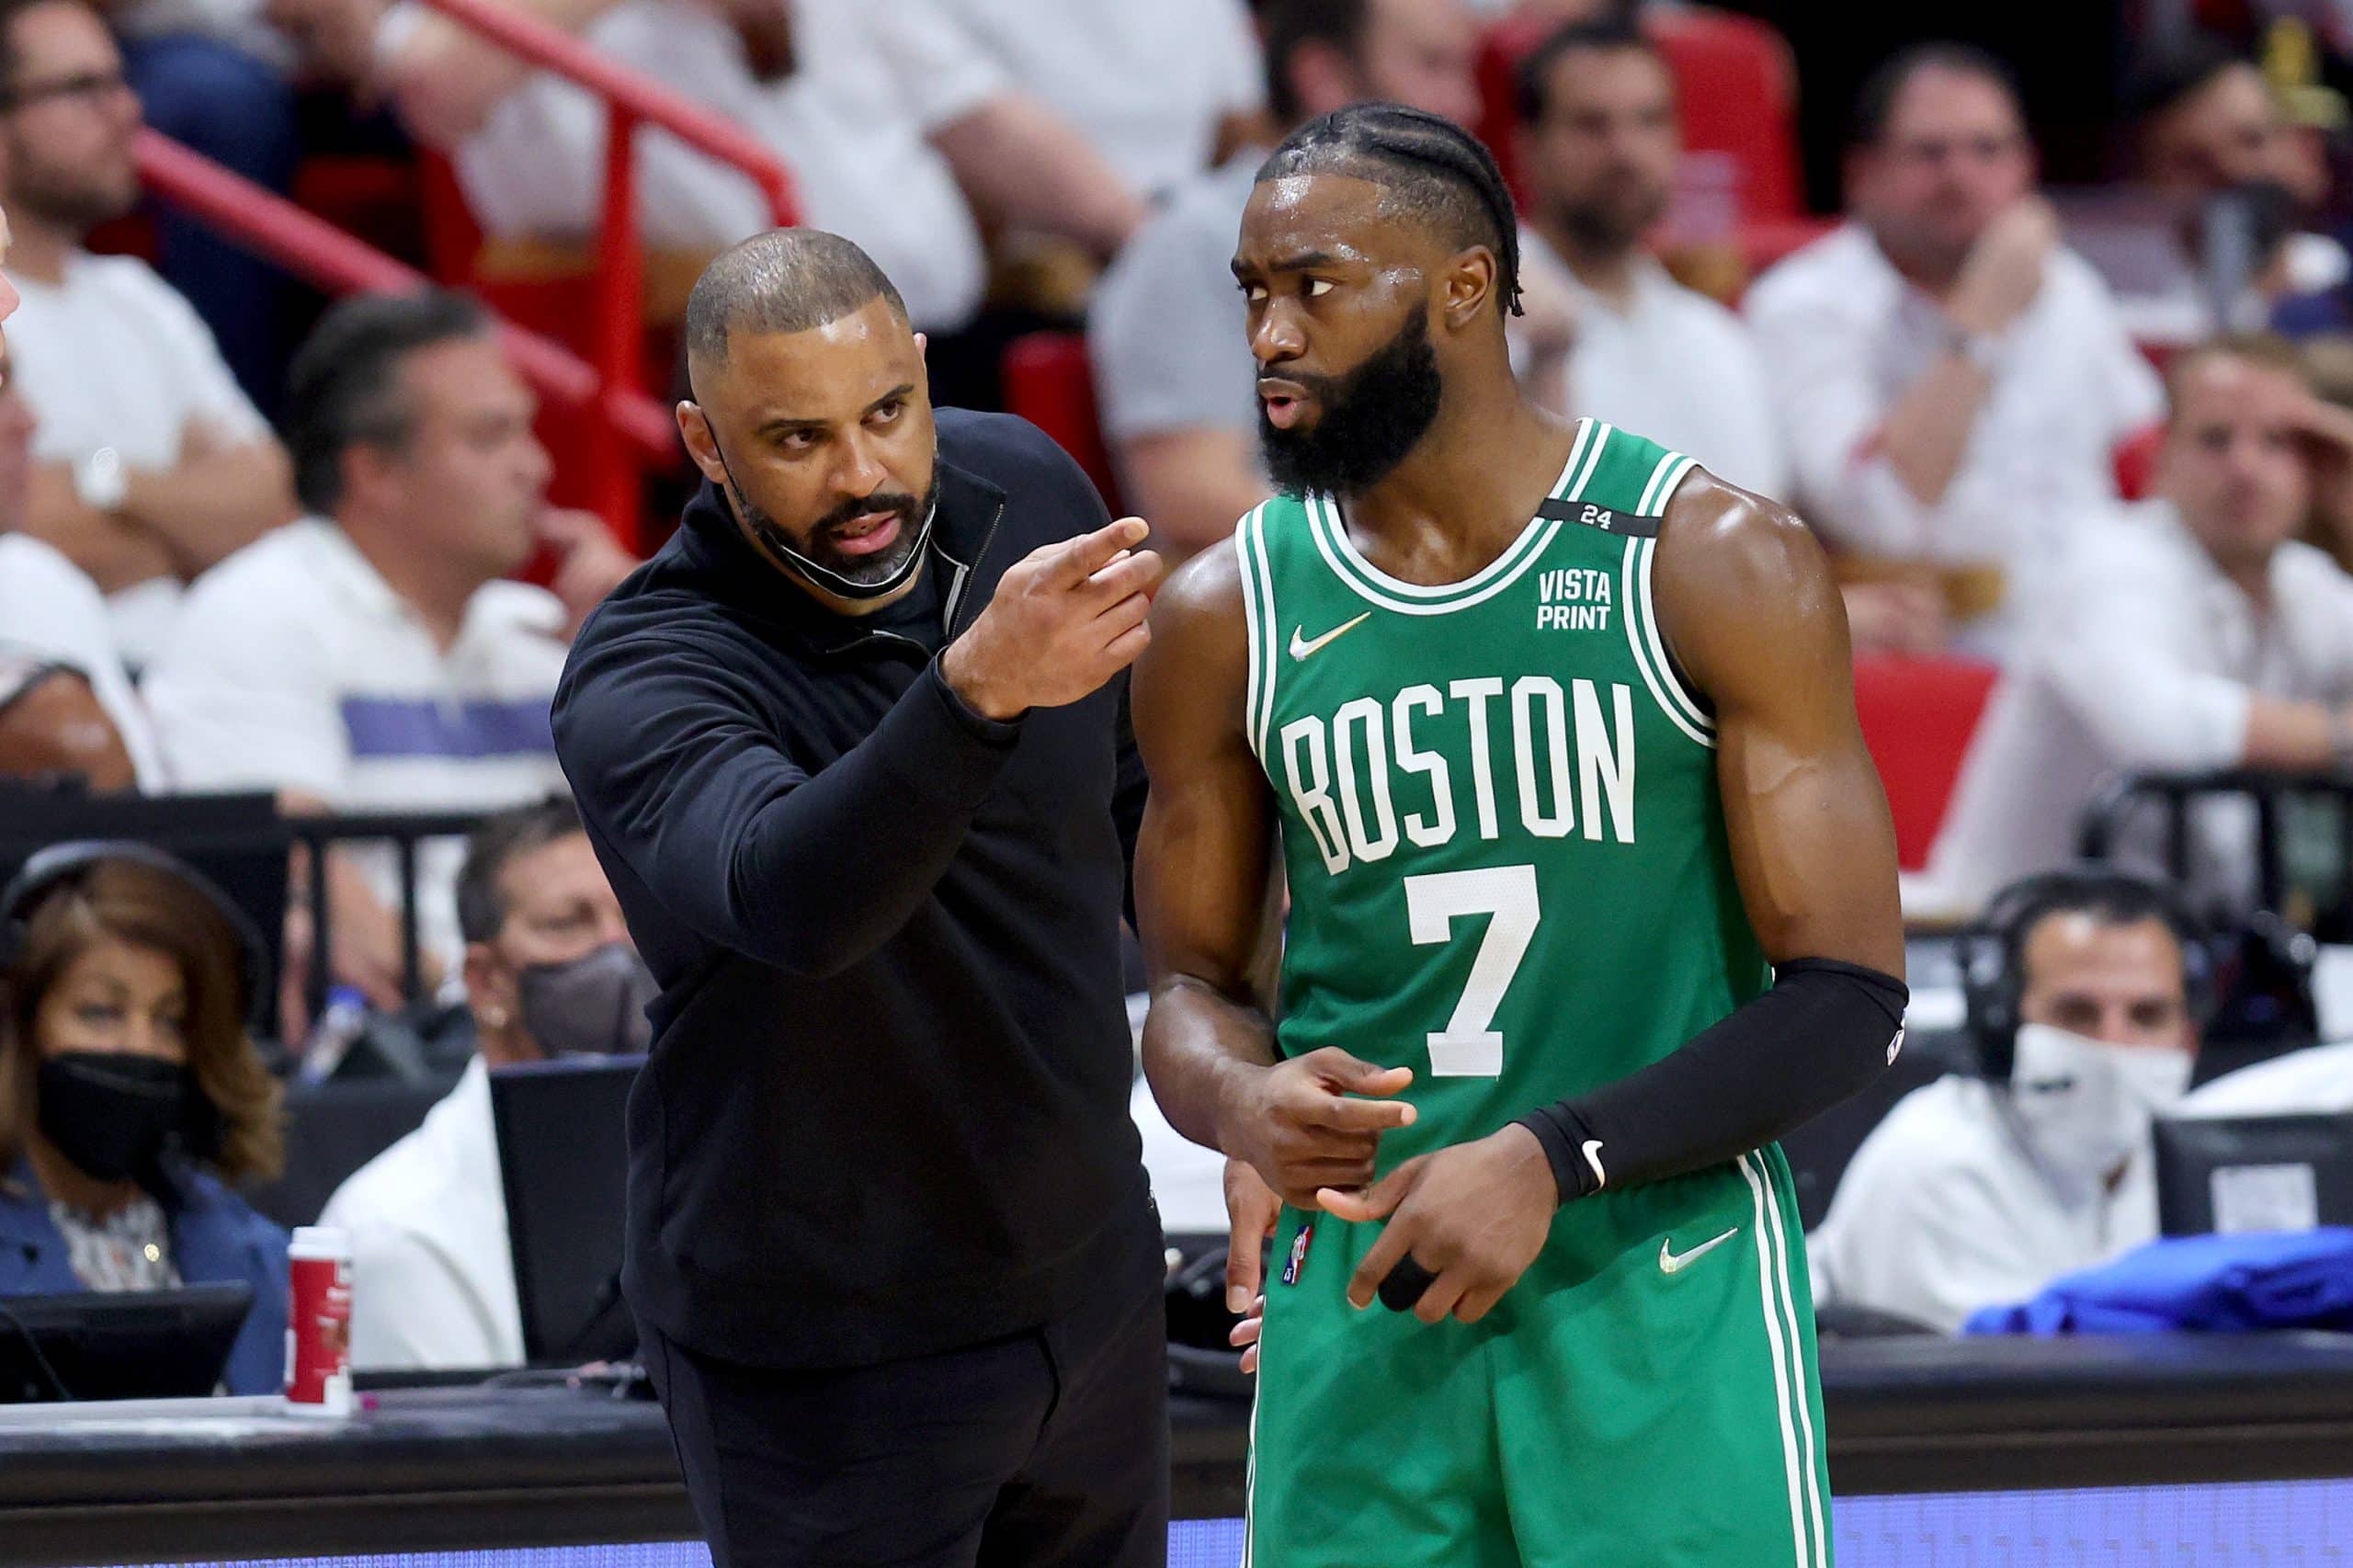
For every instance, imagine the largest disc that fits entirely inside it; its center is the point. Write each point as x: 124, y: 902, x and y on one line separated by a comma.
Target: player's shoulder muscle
x: 1199, y: 657
x: 1740, y: 578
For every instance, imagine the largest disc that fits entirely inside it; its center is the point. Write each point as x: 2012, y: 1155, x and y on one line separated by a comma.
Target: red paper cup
x: 318, y: 1323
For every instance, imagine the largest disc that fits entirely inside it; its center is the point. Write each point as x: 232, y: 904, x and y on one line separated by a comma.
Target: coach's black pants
x: 1045, y: 1450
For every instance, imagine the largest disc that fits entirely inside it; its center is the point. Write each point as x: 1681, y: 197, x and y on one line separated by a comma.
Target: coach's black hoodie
x: 886, y: 1111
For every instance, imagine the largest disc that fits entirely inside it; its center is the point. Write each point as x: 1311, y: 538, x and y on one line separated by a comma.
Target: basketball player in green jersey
x: 1592, y: 895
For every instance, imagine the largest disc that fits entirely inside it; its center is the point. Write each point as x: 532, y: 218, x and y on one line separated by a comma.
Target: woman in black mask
x: 129, y: 1091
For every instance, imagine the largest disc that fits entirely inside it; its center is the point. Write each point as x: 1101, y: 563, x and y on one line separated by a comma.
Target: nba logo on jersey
x: 1298, y: 1252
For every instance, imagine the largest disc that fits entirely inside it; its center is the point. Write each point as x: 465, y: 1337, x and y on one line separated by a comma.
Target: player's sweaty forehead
x: 1325, y: 221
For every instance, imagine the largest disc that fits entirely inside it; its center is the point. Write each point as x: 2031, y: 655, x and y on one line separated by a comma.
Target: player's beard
x: 818, y: 544
x: 1366, y: 420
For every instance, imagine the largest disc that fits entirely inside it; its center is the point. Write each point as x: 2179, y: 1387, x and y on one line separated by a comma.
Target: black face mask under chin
x: 834, y: 583
x: 594, y: 1005
x: 113, y: 1114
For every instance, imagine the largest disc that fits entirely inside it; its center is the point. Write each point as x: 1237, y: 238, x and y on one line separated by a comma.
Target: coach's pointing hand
x: 1306, y: 1123
x: 1065, y: 618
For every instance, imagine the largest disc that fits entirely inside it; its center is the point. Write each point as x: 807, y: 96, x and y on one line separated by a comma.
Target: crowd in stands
x: 2133, y: 499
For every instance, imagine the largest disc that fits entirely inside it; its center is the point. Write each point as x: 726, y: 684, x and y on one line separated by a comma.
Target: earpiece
x: 59, y: 863
x: 1992, y: 952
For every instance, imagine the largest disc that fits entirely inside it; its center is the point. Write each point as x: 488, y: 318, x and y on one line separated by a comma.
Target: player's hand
x: 1244, y: 1335
x: 1313, y: 1121
x: 1066, y: 618
x: 1251, y: 1210
x: 1474, y: 1215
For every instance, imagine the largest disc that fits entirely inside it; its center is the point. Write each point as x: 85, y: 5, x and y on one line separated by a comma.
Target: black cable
x: 40, y: 1357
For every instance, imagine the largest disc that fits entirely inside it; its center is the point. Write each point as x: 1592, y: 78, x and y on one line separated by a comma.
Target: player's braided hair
x: 1433, y: 167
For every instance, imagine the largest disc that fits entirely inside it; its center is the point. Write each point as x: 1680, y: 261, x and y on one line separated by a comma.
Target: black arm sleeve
x: 679, y: 774
x: 1824, y: 1032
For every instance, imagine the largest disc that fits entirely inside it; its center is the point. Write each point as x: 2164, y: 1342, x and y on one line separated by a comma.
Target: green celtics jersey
x: 1500, y: 819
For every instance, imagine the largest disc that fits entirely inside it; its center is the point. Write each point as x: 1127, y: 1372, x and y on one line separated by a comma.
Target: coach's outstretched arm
x: 1202, y: 870
x: 1752, y: 617
x: 680, y: 771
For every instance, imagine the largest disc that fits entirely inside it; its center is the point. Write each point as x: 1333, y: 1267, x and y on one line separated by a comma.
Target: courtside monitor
x: 563, y: 1157
x: 119, y: 1345
x: 2258, y: 1172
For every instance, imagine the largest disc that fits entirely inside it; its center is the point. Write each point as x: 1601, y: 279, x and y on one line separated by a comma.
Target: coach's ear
x: 1469, y: 283
x: 694, y: 428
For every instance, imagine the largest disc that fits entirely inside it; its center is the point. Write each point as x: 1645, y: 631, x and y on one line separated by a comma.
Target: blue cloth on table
x: 2256, y: 1279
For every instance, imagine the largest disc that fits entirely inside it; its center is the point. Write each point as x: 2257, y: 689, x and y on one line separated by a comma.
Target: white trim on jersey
x: 1373, y: 577
x: 1807, y: 1469
x: 1636, y: 606
x: 1369, y: 583
x: 1267, y: 615
x: 1789, y: 1369
x: 1693, y: 709
x: 1655, y: 494
x: 1253, y: 631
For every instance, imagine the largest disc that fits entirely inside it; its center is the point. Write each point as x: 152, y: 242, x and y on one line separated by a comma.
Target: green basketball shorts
x: 1645, y: 1395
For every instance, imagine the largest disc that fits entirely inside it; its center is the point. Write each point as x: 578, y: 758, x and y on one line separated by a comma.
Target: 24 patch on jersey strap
x: 1607, y: 519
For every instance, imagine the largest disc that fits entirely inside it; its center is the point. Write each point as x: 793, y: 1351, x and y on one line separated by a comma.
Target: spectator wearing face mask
x: 1982, y: 1189
x: 130, y: 1093
x: 550, y: 972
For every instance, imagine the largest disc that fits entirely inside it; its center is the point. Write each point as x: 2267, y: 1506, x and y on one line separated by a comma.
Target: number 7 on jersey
x: 1470, y: 1046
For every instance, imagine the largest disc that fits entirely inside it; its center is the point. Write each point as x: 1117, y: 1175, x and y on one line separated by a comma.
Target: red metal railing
x: 313, y: 248
x: 630, y: 100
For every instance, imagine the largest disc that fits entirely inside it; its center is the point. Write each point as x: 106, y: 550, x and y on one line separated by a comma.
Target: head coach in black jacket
x: 853, y: 749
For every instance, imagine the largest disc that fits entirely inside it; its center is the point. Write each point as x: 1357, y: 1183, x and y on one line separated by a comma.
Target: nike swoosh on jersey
x: 1895, y: 1047
x: 1672, y: 1261
x: 1301, y: 648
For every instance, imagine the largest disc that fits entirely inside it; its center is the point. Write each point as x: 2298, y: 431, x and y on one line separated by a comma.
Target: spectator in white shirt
x: 2315, y: 1081
x: 1598, y: 146
x: 152, y: 463
x: 898, y: 129
x: 1158, y: 86
x: 2188, y: 632
x: 1980, y: 1191
x: 371, y: 656
x: 1172, y: 368
x: 550, y: 972
x: 1953, y: 382
x: 52, y: 618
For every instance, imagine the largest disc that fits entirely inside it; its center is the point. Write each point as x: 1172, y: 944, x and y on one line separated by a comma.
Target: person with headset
x: 2086, y: 990
x: 131, y: 1091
